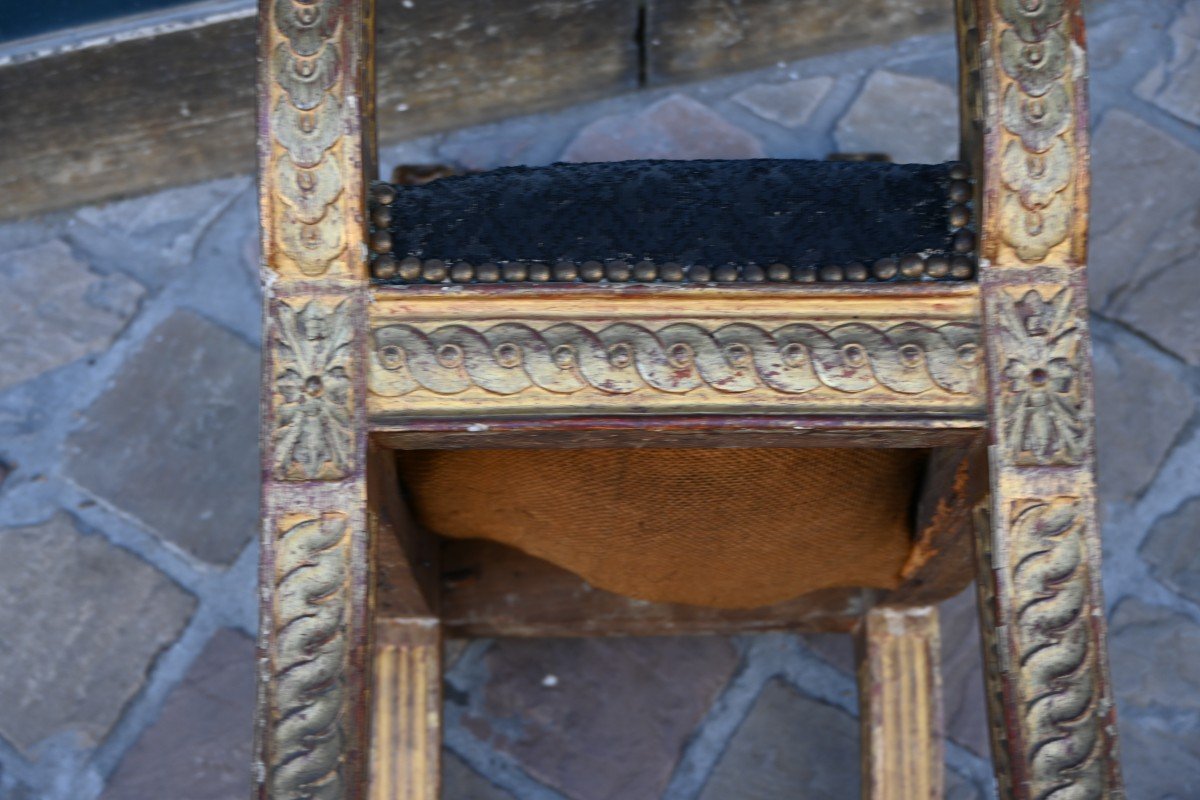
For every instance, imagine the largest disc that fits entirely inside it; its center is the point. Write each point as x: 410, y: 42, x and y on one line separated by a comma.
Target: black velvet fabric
x: 760, y: 211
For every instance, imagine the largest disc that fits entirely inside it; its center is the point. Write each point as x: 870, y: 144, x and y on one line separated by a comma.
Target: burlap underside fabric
x: 729, y: 528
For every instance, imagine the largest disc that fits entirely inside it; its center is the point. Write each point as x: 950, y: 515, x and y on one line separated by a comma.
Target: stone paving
x: 128, y: 385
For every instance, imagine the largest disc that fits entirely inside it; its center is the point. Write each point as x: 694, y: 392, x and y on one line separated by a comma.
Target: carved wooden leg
x: 407, y: 718
x: 900, y: 699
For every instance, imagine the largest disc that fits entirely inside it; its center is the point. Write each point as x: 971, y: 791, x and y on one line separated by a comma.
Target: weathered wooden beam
x: 161, y: 105
x: 119, y: 110
x: 489, y: 589
x: 126, y: 117
x: 689, y: 39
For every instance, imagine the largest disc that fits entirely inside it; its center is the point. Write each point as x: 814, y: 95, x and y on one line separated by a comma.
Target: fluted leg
x: 900, y: 699
x: 407, y: 710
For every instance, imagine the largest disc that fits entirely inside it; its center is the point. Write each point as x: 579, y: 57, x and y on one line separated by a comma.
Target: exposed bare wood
x: 677, y: 431
x: 126, y: 117
x: 157, y: 110
x: 492, y: 590
x: 900, y: 704
x: 942, y: 560
x: 406, y: 557
x: 175, y: 104
x: 688, y: 39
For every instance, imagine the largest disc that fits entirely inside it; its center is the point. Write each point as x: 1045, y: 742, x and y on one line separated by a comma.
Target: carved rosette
x: 1039, y: 352
x: 307, y: 169
x: 313, y: 436
x: 1037, y: 202
x: 1060, y: 698
x: 623, y: 358
x: 308, y: 700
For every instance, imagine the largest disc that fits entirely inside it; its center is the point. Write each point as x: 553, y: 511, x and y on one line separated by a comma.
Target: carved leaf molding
x: 1037, y: 111
x: 307, y: 124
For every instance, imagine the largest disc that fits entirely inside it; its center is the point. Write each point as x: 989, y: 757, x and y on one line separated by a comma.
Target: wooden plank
x: 127, y: 117
x: 900, y: 697
x: 710, y: 430
x: 689, y: 39
x: 489, y: 589
x: 406, y: 557
x: 158, y: 106
x: 447, y: 64
x: 153, y: 105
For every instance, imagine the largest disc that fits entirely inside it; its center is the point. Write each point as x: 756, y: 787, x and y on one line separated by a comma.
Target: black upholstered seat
x: 763, y: 219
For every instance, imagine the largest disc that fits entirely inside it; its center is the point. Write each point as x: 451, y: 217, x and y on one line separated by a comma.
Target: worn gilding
x: 310, y: 163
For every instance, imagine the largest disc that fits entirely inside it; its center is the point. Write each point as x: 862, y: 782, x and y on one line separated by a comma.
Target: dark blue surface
x: 20, y: 19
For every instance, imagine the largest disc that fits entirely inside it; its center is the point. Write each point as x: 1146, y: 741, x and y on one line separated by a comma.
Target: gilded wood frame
x: 914, y: 366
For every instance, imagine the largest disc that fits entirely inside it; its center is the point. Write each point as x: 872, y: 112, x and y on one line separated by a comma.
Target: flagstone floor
x: 128, y: 471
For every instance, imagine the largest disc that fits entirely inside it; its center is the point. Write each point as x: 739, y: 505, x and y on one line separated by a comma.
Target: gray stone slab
x: 789, y: 104
x: 200, y: 746
x: 598, y: 718
x: 789, y: 746
x: 1174, y: 84
x: 962, y: 673
x: 54, y: 310
x: 81, y: 623
x: 1137, y: 225
x: 10, y: 789
x: 913, y: 120
x: 174, y: 440
x: 1159, y: 761
x: 222, y: 280
x: 959, y: 788
x: 1155, y: 657
x: 1166, y: 306
x: 1140, y: 408
x: 836, y: 649
x: 152, y: 237
x: 463, y: 783
x: 677, y: 127
x: 1172, y: 549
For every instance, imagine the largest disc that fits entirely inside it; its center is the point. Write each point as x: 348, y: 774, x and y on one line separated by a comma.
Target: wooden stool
x: 476, y: 389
